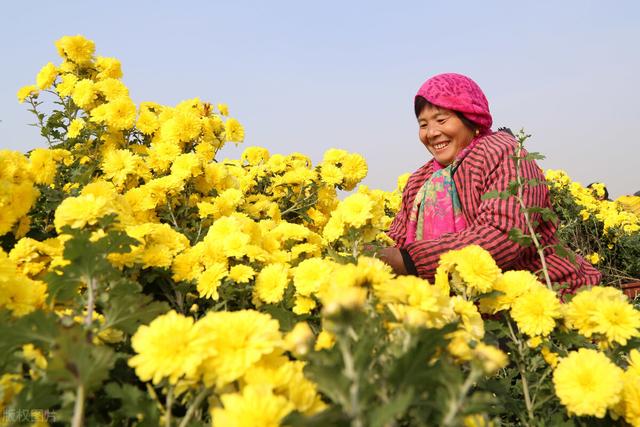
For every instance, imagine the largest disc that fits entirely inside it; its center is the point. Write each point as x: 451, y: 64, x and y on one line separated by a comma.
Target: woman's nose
x: 432, y: 131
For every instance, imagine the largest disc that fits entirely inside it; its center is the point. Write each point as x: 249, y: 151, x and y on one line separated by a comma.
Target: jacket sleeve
x: 495, y: 217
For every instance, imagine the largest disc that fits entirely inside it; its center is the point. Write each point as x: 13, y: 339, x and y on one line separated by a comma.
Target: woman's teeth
x: 440, y: 146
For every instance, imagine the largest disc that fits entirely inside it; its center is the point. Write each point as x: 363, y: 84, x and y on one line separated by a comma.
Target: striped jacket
x: 490, y: 166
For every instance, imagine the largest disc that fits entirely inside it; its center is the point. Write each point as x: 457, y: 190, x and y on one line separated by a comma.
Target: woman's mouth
x: 440, y: 146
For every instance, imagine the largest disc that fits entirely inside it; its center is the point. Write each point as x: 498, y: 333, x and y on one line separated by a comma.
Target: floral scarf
x: 436, y: 209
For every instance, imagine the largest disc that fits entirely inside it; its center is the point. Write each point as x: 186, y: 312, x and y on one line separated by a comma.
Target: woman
x: 442, y: 207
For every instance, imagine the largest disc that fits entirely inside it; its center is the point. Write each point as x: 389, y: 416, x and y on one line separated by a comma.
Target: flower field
x: 144, y: 281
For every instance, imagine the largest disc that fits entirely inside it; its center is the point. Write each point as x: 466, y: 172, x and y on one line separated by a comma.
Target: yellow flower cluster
x: 363, y: 215
x: 270, y: 227
x: 604, y: 313
x: 18, y: 192
x: 243, y: 347
x: 342, y: 169
x: 615, y: 215
x: 589, y: 384
x: 18, y: 293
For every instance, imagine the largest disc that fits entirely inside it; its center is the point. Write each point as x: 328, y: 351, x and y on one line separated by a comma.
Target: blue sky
x: 306, y: 77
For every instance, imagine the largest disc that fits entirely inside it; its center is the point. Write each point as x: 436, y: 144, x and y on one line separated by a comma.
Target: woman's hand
x: 393, y: 257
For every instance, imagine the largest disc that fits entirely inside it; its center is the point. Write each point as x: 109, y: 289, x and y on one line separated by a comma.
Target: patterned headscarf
x: 436, y: 210
x: 459, y: 93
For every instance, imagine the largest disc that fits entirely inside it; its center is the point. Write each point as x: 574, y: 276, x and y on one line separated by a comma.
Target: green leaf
x: 286, y: 318
x: 570, y: 339
x: 75, y: 361
x: 549, y: 215
x: 516, y: 235
x: 411, y: 368
x: 332, y: 416
x: 493, y: 194
x: 38, y: 328
x: 534, y: 156
x: 563, y: 252
x: 381, y: 415
x: 135, y: 404
x: 127, y: 308
x: 37, y: 394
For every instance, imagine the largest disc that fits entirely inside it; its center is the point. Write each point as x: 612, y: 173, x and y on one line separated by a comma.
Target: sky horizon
x: 309, y: 77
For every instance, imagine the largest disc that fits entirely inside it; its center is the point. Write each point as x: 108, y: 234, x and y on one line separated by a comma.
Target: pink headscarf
x: 459, y: 93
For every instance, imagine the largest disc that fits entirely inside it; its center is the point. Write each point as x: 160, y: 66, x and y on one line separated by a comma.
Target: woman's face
x: 443, y: 133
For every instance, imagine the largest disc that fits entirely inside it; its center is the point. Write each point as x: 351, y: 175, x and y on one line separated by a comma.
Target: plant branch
x: 193, y: 407
x: 521, y: 369
x: 78, y: 408
x: 523, y: 207
x: 351, y: 374
x: 456, y: 404
x: 168, y: 405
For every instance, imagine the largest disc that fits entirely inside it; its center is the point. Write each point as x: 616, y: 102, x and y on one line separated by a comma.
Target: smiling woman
x: 442, y: 207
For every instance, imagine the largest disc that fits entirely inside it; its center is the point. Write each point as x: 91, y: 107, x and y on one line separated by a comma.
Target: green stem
x: 168, y: 405
x: 456, y: 404
x: 354, y: 388
x: 193, y: 407
x: 78, y: 409
x: 521, y: 369
x: 527, y: 218
x: 91, y: 284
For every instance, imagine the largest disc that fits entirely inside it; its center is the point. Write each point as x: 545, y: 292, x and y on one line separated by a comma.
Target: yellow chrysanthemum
x: 84, y: 93
x: 241, y: 273
x: 233, y: 130
x: 108, y: 68
x: 617, y: 320
x: 549, y: 356
x: 255, y: 155
x: 210, y: 279
x: 33, y: 354
x: 233, y: 341
x: 629, y: 406
x: 325, y: 340
x: 46, y: 76
x: 354, y: 167
x: 303, y: 305
x: 112, y: 89
x: 356, y: 209
x: 25, y: 91
x: 299, y: 340
x: 76, y: 48
x: 43, y: 165
x: 18, y: 293
x: 587, y: 383
x: 331, y: 174
x: 490, y: 358
x: 119, y: 114
x: 66, y: 84
x: 477, y: 269
x: 255, y: 406
x: 272, y: 282
x: 165, y: 349
x: 310, y: 275
x: 118, y: 164
x: 74, y: 128
x: 512, y: 284
x: 535, y: 312
x: 82, y: 210
x: 580, y: 312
